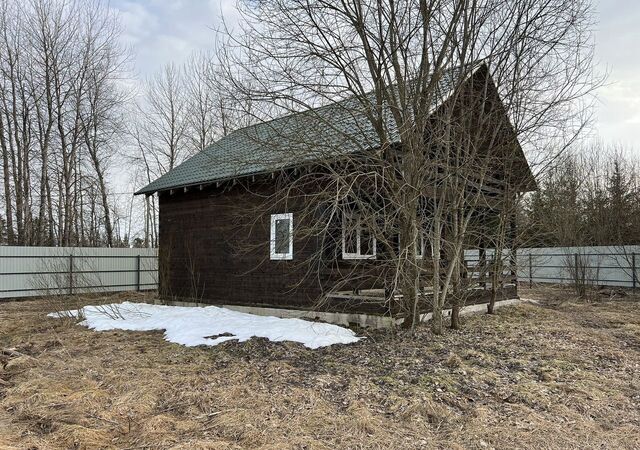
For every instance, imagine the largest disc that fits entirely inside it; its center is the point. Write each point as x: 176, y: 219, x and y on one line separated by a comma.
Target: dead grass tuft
x: 453, y: 361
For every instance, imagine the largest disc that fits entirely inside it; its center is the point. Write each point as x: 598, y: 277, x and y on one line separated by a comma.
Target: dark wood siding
x: 213, y: 249
x: 211, y: 252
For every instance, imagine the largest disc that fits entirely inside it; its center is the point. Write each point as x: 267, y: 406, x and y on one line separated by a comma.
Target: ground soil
x: 560, y: 373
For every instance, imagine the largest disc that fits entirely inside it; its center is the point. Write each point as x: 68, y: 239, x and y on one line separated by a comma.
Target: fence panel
x: 605, y: 266
x: 33, y: 271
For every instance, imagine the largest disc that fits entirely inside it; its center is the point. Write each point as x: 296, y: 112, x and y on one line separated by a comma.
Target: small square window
x: 281, y: 245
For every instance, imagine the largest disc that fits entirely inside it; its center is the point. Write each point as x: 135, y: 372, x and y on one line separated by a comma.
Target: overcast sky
x: 161, y: 31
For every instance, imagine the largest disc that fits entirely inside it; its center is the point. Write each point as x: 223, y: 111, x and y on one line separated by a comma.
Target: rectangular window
x: 281, y: 236
x: 357, y: 241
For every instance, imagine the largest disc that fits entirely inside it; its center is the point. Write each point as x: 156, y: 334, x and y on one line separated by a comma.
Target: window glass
x: 427, y: 248
x: 282, y: 236
x: 421, y: 245
x: 366, y: 243
x: 351, y: 235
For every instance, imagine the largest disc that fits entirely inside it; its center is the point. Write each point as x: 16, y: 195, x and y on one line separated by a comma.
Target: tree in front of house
x: 386, y: 65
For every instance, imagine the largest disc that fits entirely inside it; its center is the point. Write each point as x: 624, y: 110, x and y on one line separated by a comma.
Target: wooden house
x: 199, y: 225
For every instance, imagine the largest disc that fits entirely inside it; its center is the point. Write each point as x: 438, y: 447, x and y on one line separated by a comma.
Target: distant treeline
x: 592, y: 197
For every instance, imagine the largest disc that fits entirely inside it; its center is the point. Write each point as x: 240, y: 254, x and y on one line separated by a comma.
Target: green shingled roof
x: 337, y: 129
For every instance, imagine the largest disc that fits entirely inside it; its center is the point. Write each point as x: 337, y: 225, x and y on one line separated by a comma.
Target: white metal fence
x: 35, y: 271
x: 605, y: 266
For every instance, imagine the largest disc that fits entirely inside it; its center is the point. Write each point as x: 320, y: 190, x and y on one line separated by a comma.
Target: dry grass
x: 563, y: 374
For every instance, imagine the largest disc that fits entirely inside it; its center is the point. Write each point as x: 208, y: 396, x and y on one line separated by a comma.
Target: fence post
x: 71, y: 274
x: 634, y: 277
x: 530, y: 272
x: 138, y: 273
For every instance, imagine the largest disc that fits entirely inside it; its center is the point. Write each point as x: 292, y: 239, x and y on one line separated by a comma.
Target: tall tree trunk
x: 457, y: 295
x: 495, y: 279
x: 16, y: 170
x: 7, y: 184
x: 93, y: 152
x: 51, y: 222
x: 42, y: 207
x: 44, y: 210
x: 436, y: 319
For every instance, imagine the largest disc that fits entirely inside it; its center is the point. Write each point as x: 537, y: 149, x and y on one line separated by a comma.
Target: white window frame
x: 273, y: 254
x: 358, y: 254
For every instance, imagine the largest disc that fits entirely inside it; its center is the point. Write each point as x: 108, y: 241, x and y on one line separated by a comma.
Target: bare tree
x: 102, y: 125
x: 203, y: 120
x: 59, y: 97
x: 161, y: 134
x: 416, y: 142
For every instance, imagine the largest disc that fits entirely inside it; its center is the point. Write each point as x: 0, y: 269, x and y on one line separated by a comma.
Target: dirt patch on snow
x: 559, y: 374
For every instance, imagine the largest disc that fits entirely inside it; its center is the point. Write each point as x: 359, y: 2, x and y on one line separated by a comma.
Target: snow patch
x: 211, y: 325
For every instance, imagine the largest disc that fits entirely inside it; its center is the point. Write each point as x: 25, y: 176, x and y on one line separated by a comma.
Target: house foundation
x: 341, y: 318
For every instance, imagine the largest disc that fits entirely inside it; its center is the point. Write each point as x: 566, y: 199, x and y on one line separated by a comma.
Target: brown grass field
x: 563, y: 373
